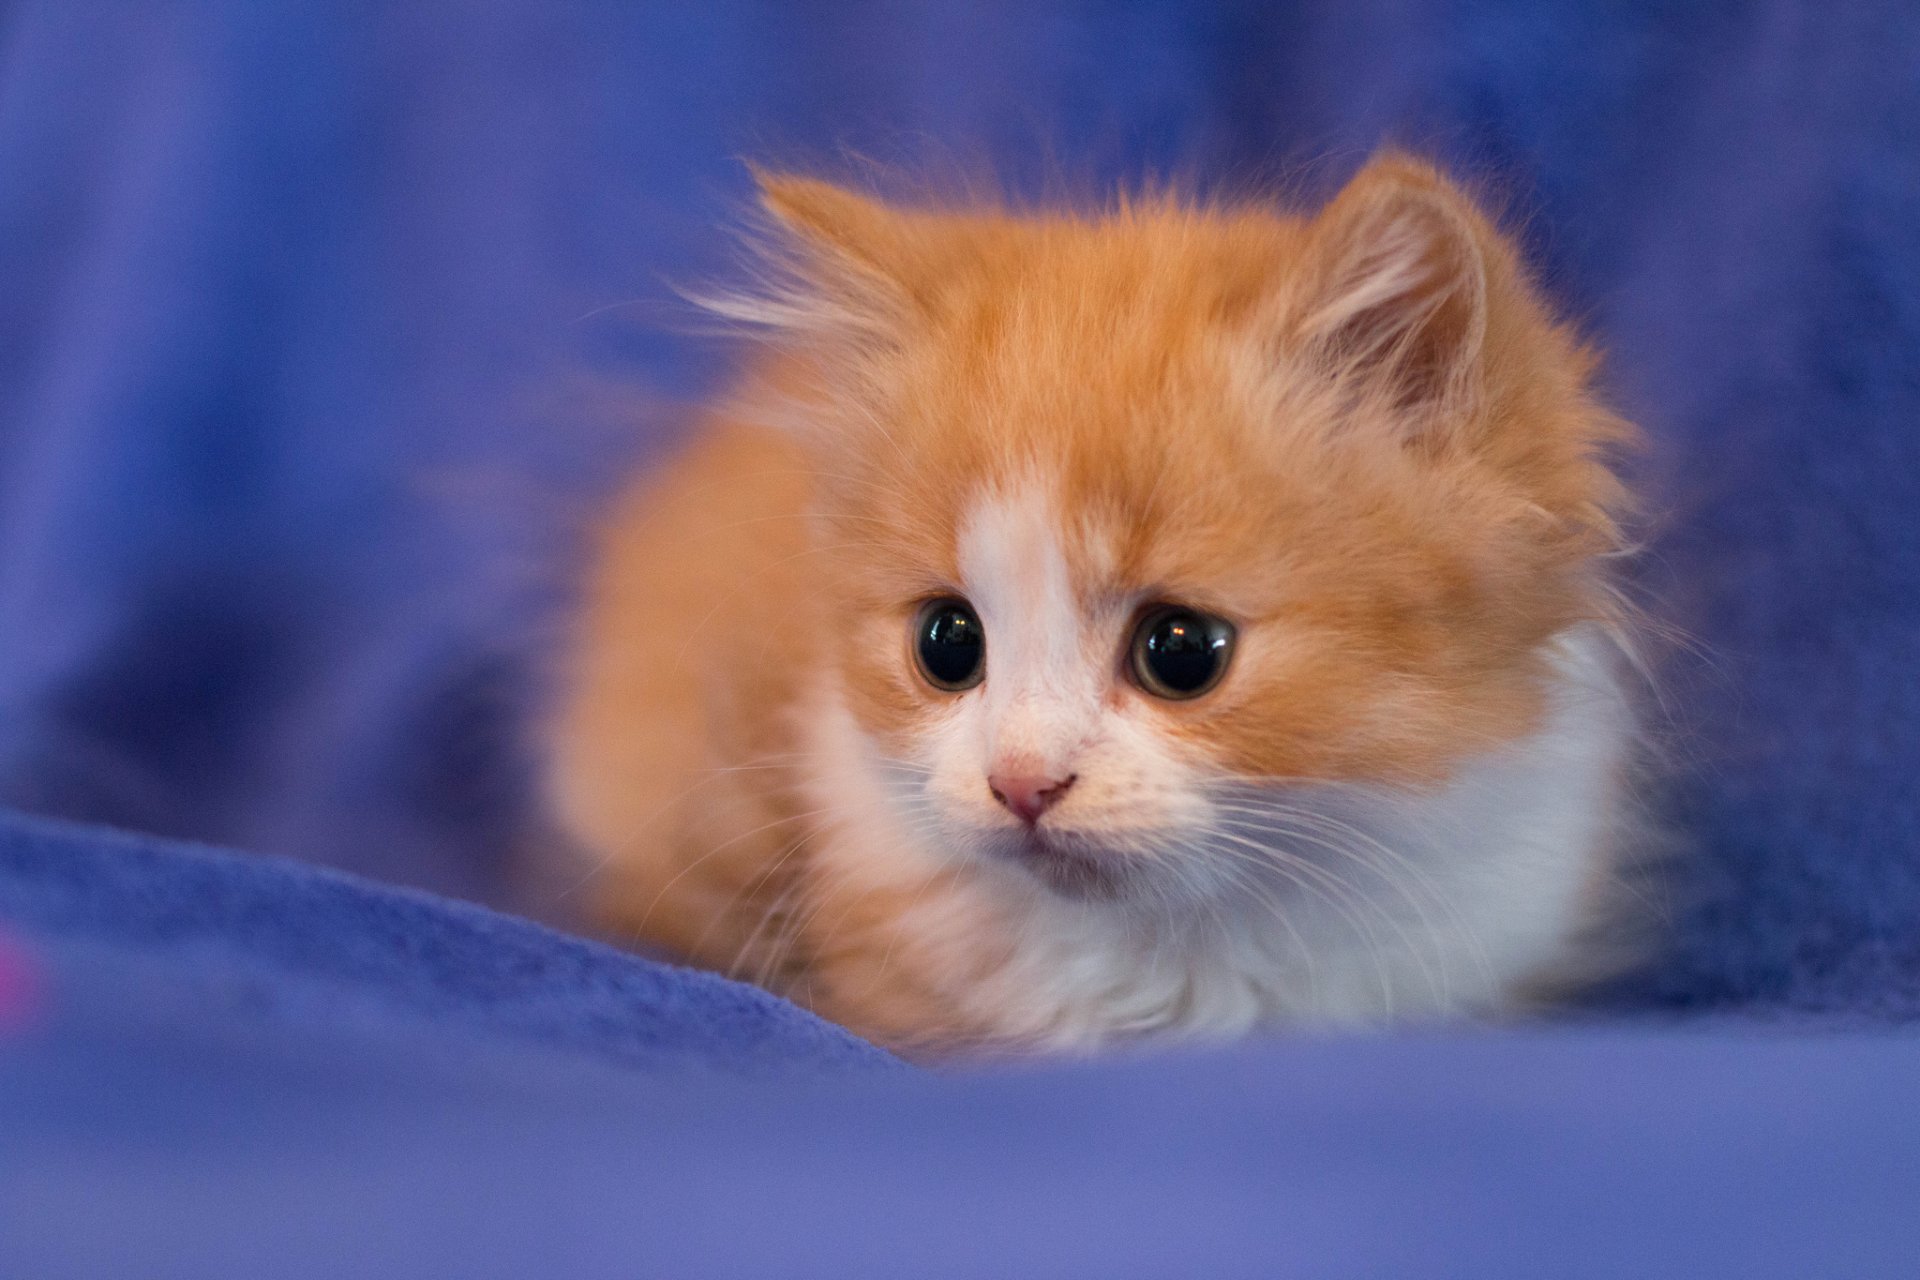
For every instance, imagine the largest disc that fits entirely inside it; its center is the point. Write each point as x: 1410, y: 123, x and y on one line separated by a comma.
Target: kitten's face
x: 1134, y: 521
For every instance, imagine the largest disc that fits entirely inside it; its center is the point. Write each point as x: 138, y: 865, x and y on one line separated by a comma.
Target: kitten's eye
x: 1178, y: 653
x: 950, y: 644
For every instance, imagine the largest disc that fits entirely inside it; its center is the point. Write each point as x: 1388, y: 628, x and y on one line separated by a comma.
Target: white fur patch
x: 1038, y: 701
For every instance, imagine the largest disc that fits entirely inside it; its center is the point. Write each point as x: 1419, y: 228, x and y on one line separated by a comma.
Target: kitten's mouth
x: 1069, y: 865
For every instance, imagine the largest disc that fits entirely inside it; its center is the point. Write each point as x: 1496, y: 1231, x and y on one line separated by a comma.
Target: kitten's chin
x: 1067, y: 864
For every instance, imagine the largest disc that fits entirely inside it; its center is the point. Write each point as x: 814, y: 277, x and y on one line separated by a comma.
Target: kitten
x: 1170, y: 621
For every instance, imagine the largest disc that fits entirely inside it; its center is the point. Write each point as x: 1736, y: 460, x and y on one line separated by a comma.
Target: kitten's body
x: 1359, y: 439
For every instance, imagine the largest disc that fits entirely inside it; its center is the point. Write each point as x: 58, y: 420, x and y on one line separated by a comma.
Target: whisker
x: 1337, y: 828
x: 1433, y: 963
x: 715, y: 851
x: 1343, y: 897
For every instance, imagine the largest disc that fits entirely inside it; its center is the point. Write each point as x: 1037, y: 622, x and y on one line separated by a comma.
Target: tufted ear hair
x: 860, y: 231
x: 842, y: 263
x: 1396, y: 300
x: 841, y: 284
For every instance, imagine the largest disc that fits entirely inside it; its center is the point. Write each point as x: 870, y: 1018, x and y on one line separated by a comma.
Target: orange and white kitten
x: 1174, y: 620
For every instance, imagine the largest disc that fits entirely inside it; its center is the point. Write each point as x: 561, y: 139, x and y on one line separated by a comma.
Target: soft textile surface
x: 216, y: 1067
x: 108, y: 928
x: 321, y: 329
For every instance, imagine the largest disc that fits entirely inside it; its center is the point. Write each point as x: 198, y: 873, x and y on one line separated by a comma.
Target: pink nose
x: 1027, y: 798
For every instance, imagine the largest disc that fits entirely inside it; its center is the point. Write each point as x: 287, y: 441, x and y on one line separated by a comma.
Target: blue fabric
x: 322, y: 328
x: 218, y: 1066
x: 187, y: 940
x: 1584, y: 1155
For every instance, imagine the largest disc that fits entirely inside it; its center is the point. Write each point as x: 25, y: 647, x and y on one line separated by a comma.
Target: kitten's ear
x: 870, y: 259
x: 833, y: 220
x: 1397, y: 297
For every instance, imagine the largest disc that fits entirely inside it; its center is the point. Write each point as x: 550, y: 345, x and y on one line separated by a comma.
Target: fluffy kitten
x: 1175, y: 620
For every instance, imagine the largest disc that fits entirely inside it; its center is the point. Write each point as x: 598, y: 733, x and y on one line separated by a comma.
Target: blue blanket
x: 322, y: 329
x: 218, y: 1067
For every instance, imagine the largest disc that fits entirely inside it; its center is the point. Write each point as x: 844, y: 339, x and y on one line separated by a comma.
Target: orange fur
x: 1358, y: 436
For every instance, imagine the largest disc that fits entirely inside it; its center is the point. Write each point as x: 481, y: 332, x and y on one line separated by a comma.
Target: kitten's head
x: 1128, y: 513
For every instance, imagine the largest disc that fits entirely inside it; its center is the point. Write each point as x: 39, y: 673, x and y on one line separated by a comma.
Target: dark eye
x: 950, y: 644
x: 1178, y: 653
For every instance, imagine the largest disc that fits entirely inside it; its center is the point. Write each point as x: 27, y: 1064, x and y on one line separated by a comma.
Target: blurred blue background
x: 323, y: 328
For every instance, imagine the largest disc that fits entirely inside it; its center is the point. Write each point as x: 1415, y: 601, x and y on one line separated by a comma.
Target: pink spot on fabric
x: 20, y: 987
